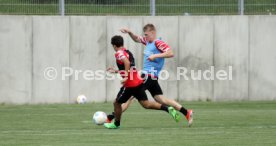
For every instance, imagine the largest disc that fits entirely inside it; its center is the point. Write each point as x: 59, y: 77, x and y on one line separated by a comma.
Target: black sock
x: 183, y: 111
x: 117, y: 123
x: 111, y: 116
x: 164, y: 108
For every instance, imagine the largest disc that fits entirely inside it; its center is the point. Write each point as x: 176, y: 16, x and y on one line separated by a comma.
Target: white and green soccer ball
x: 81, y: 99
x: 99, y: 117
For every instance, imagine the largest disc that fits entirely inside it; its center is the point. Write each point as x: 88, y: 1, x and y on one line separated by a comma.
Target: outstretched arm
x: 133, y: 36
x: 112, y: 70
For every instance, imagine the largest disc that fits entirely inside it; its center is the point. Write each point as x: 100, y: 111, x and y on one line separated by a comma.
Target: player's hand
x: 123, y: 81
x: 125, y: 30
x: 151, y: 58
x: 111, y: 70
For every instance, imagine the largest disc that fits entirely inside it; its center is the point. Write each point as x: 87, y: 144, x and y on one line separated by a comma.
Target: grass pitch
x: 222, y: 123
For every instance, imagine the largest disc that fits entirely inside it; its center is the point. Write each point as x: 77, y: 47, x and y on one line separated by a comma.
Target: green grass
x: 215, y: 124
x: 140, y: 7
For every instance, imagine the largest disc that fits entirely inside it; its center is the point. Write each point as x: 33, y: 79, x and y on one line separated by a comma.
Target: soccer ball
x: 81, y: 99
x: 99, y: 117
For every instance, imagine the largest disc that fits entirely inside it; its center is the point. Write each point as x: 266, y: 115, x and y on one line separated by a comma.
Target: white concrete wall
x: 195, y: 53
x: 15, y: 59
x: 87, y: 52
x: 29, y: 44
x: 262, y: 58
x: 50, y: 49
x: 231, y: 49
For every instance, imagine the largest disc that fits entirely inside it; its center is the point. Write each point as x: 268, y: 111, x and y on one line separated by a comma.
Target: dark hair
x: 149, y: 27
x: 117, y: 40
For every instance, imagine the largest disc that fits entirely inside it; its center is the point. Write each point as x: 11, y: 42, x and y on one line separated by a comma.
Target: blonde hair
x: 149, y: 27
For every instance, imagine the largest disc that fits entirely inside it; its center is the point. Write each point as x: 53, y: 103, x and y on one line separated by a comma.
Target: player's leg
x: 155, y: 90
x: 163, y: 100
x: 117, y: 115
x: 125, y: 105
x: 167, y: 101
x: 117, y: 112
x: 122, y: 97
x: 157, y: 106
x: 141, y: 96
x: 153, y: 105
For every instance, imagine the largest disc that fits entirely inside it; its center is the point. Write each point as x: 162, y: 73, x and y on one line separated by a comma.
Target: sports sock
x: 117, y: 123
x: 183, y: 111
x: 164, y: 108
x: 111, y: 116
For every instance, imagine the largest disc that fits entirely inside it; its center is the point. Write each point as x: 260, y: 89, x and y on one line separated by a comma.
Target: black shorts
x: 152, y: 85
x: 126, y: 92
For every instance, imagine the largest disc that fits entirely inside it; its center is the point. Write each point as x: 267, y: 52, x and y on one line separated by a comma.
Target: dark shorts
x: 126, y: 92
x: 152, y: 85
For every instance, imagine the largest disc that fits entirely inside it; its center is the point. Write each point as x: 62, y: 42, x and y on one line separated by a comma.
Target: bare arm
x: 165, y: 50
x: 133, y: 36
x: 168, y: 54
x: 112, y: 70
